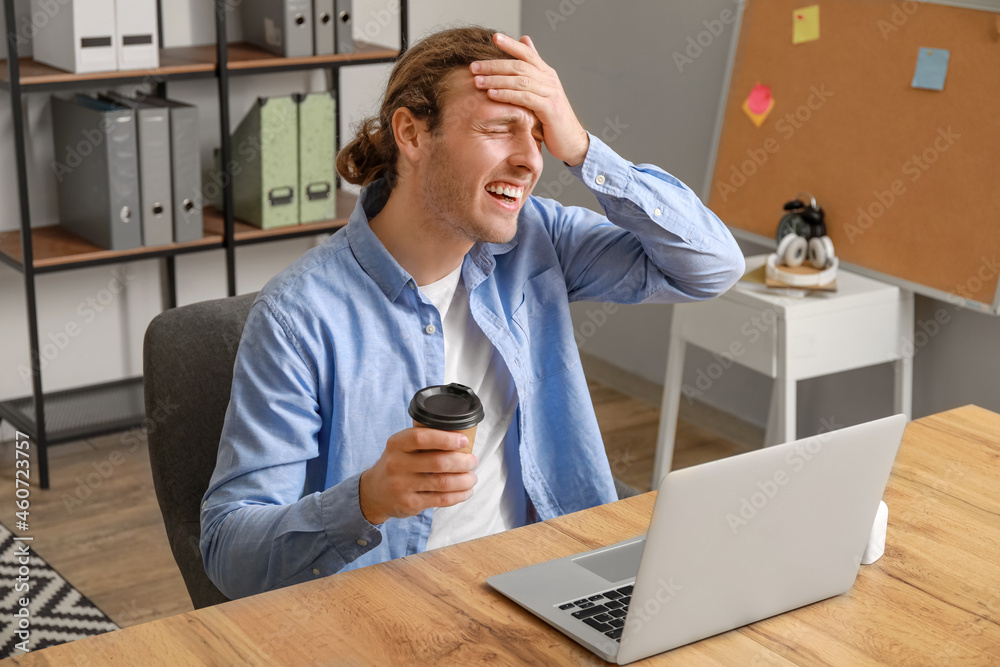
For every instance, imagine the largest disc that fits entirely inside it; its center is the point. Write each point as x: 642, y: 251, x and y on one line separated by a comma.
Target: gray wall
x: 655, y: 71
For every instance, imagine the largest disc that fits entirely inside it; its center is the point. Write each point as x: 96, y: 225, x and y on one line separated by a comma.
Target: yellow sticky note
x: 758, y: 104
x: 805, y: 24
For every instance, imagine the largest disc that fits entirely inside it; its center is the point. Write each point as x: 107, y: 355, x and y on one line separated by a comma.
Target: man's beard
x: 453, y: 200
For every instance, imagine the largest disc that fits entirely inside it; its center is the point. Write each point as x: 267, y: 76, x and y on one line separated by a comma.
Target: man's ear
x: 410, y: 133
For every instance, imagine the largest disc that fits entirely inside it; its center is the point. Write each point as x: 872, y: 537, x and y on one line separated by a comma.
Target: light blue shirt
x: 337, y: 343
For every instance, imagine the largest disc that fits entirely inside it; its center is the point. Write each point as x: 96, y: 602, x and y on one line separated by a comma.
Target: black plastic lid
x: 448, y: 407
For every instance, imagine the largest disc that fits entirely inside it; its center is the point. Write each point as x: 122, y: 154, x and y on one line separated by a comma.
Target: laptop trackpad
x: 614, y: 564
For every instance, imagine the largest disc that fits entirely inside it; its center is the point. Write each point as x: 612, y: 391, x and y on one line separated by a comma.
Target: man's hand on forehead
x: 527, y: 81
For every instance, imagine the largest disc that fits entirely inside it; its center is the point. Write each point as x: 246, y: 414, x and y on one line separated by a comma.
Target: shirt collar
x: 369, y: 251
x: 383, y: 268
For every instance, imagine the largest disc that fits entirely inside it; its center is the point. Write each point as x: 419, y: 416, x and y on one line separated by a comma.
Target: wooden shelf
x: 244, y: 56
x: 189, y: 62
x: 176, y: 62
x: 245, y: 233
x: 54, y: 247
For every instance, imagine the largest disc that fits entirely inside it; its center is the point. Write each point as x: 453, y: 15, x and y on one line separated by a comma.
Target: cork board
x: 909, y: 178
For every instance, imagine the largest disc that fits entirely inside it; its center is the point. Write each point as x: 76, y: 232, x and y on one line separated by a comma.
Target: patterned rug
x: 57, y: 612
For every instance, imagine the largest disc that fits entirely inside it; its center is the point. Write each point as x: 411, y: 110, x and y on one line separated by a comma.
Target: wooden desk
x: 932, y: 599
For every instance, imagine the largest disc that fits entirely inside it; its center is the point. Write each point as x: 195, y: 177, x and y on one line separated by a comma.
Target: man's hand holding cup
x: 429, y: 465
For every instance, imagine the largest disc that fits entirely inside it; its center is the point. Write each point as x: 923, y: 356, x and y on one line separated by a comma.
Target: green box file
x: 317, y: 157
x: 266, y: 170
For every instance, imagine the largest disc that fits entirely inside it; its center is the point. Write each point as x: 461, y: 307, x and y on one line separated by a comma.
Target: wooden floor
x: 99, y: 524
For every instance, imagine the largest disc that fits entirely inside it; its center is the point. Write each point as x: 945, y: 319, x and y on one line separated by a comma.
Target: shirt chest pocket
x: 543, y: 320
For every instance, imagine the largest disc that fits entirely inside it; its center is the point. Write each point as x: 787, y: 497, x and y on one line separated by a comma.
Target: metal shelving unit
x: 73, y: 414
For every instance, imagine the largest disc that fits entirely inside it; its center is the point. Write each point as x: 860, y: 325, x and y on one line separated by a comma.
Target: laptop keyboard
x: 605, y: 612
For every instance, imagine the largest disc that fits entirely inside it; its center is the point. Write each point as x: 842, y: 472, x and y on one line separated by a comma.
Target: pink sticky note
x: 760, y: 99
x: 759, y: 104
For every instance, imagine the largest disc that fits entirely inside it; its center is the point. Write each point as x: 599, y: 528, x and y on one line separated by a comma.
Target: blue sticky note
x: 932, y: 67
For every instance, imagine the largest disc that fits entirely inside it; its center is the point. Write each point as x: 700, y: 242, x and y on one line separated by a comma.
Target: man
x: 447, y: 271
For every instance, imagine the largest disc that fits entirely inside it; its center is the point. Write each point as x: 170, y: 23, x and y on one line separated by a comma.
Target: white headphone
x: 794, y: 250
x: 821, y: 252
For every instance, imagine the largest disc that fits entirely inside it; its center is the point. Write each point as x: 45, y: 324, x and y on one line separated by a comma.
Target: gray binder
x: 282, y: 27
x: 323, y: 25
x: 155, y: 194
x: 345, y: 25
x: 97, y: 171
x: 185, y: 169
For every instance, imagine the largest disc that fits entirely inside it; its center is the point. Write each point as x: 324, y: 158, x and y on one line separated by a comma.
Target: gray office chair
x: 624, y: 490
x: 188, y: 357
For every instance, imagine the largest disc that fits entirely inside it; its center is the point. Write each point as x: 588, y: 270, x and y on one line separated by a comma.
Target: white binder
x: 78, y: 38
x: 138, y: 40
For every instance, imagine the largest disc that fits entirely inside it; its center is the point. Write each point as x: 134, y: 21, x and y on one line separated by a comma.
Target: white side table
x: 789, y: 338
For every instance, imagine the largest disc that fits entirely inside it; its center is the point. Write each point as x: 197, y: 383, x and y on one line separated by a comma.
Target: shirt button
x: 600, y: 179
x: 412, y: 285
x: 656, y: 211
x: 362, y: 543
x: 316, y: 571
x: 430, y: 329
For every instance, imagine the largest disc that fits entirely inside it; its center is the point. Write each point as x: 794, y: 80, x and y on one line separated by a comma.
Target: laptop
x: 730, y: 542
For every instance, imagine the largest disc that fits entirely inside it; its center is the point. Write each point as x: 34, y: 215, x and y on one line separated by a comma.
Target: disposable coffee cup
x: 448, y: 407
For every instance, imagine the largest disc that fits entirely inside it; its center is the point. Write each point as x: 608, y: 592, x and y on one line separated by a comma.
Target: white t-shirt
x: 471, y: 359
